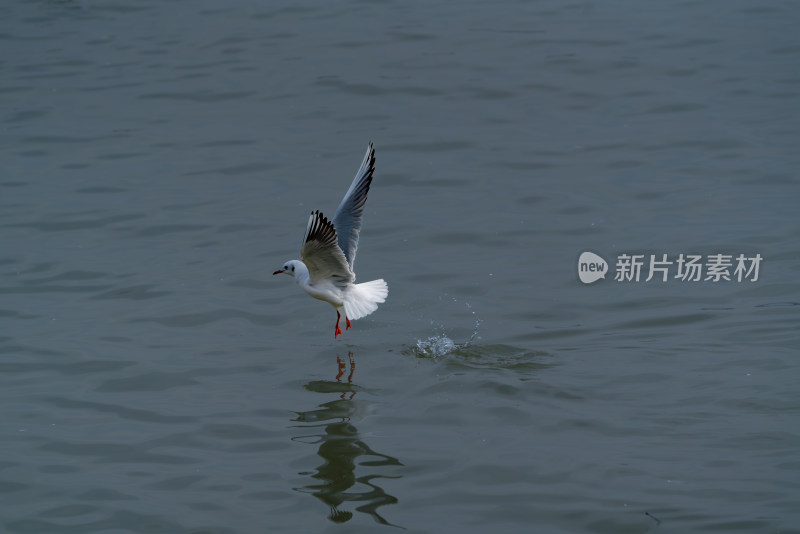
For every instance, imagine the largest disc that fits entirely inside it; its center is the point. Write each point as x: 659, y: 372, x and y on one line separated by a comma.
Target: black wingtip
x: 320, y: 228
x: 371, y: 166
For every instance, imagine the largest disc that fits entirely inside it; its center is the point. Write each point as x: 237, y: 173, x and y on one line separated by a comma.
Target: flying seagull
x: 329, y: 251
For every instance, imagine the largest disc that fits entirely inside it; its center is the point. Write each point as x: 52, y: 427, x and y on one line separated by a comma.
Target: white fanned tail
x: 362, y: 299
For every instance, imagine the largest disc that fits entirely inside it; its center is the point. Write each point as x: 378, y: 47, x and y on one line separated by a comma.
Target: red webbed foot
x: 348, y: 322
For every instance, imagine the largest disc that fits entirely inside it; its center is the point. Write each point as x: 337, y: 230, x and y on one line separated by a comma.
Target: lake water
x: 158, y: 160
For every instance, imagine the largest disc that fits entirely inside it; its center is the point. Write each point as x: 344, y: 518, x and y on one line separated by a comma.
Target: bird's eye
x: 292, y: 268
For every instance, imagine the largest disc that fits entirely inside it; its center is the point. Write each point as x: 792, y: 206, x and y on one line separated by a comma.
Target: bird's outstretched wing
x: 321, y: 253
x: 347, y: 219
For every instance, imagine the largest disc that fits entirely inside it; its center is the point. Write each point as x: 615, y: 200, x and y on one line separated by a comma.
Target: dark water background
x: 158, y: 161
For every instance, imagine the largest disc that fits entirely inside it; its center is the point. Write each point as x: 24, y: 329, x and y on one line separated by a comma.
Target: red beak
x: 279, y: 271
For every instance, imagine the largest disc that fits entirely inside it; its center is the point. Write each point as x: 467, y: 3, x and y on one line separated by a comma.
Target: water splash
x: 440, y: 344
x: 471, y: 354
x: 434, y: 347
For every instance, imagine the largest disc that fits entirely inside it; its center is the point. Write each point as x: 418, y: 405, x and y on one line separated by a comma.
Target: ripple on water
x: 473, y: 355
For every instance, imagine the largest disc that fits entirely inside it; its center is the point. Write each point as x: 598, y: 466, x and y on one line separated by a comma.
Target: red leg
x: 338, y: 330
x: 348, y: 322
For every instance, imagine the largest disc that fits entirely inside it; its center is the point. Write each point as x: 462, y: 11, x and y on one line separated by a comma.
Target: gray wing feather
x: 321, y: 253
x: 347, y: 219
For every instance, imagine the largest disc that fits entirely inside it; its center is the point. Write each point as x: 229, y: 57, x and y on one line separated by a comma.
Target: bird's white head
x: 290, y: 267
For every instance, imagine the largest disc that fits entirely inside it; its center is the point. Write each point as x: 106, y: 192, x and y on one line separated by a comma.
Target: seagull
x: 329, y: 251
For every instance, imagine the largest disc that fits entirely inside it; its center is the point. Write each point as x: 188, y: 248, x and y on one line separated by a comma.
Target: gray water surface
x: 158, y: 161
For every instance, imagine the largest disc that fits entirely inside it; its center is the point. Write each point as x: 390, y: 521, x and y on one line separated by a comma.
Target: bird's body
x: 329, y: 250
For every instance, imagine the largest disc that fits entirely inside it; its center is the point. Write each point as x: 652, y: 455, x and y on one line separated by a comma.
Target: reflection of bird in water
x: 349, y: 376
x: 335, y: 480
x: 340, y: 516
